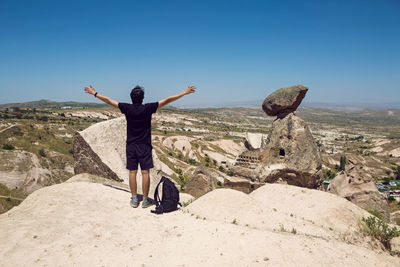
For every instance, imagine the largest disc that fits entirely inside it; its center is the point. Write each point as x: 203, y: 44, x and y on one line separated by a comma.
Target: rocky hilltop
x: 90, y: 224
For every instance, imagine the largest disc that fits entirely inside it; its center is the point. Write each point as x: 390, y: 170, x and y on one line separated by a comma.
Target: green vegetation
x: 342, y: 166
x: 9, y: 202
x: 397, y: 173
x: 8, y: 147
x: 328, y: 174
x: 379, y: 229
x: 185, y: 204
x: 42, y: 153
x: 376, y: 213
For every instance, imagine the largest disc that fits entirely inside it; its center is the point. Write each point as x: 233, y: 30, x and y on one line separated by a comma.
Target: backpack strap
x: 156, y: 195
x: 159, y: 208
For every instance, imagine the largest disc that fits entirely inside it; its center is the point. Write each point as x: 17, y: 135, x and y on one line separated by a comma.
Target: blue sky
x: 344, y: 51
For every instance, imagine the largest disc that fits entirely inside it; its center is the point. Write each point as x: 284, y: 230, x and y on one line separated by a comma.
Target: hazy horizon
x: 256, y: 103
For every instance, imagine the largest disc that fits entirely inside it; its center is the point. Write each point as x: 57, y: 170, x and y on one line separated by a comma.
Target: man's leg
x: 132, y: 182
x: 145, y: 182
x: 133, y: 187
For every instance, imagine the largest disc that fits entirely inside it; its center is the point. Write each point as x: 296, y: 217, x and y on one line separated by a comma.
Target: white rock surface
x: 108, y: 140
x: 254, y: 140
x: 88, y: 224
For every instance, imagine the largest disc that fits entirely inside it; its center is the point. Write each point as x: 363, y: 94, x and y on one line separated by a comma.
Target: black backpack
x: 170, y: 197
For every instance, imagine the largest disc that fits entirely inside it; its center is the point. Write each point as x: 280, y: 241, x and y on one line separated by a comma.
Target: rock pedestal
x: 291, y: 154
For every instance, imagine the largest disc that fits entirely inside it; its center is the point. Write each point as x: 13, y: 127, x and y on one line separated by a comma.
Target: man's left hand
x: 90, y: 90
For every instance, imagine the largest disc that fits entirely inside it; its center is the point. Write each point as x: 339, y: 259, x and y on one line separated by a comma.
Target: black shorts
x: 139, y: 154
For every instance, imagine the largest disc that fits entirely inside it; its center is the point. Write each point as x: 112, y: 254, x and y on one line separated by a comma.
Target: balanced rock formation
x: 358, y: 186
x: 101, y: 150
x: 284, y: 100
x: 201, y: 182
x: 291, y: 154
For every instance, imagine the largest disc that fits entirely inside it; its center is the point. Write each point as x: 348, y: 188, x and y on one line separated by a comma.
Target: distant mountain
x: 51, y: 104
x: 352, y: 107
x: 344, y: 107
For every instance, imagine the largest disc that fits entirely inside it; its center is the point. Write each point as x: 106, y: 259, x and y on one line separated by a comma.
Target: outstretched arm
x: 166, y: 101
x: 90, y: 90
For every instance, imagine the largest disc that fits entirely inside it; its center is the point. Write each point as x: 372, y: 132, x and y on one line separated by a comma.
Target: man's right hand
x: 190, y: 90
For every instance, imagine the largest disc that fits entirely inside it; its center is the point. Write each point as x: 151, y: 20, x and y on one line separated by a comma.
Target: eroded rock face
x: 241, y: 184
x: 358, y: 186
x: 254, y: 141
x: 284, y: 100
x: 101, y: 150
x: 181, y: 144
x: 26, y: 171
x: 201, y: 182
x: 291, y: 154
x: 244, y: 172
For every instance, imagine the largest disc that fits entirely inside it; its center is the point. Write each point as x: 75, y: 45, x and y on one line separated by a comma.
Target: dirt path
x: 8, y: 128
x: 12, y: 197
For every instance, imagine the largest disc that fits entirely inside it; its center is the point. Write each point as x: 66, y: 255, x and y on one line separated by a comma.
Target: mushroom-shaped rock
x: 284, y: 100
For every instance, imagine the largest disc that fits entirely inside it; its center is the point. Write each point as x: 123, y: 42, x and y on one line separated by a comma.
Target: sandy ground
x: 90, y: 224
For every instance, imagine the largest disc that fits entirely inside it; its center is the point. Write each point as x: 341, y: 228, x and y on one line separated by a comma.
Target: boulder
x: 241, y: 184
x: 285, y: 100
x: 101, y: 150
x: 358, y: 186
x: 201, y: 182
x: 244, y: 172
x: 254, y: 141
x: 291, y: 154
x: 395, y: 217
x: 395, y: 245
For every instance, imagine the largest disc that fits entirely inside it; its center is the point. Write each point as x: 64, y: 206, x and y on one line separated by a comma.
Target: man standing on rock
x: 138, y: 139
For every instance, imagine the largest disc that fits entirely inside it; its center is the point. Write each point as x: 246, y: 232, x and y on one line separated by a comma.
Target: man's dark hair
x: 137, y: 95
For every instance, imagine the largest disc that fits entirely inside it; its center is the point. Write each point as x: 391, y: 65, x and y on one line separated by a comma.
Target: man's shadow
x: 140, y: 196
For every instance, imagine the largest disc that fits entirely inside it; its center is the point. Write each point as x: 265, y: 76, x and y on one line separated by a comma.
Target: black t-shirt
x: 138, y: 118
